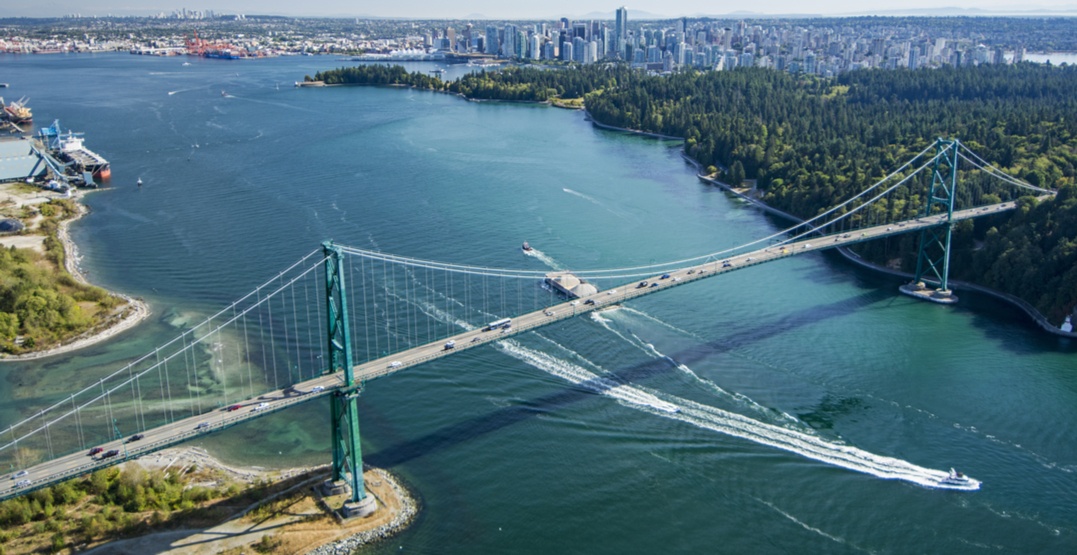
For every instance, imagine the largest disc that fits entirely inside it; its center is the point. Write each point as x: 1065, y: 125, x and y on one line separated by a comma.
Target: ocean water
x: 796, y: 385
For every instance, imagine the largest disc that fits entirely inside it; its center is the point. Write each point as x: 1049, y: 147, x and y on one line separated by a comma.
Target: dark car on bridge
x: 109, y: 454
x: 135, y: 437
x: 96, y: 450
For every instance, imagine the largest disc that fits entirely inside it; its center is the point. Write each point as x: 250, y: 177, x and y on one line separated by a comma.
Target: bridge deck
x: 75, y: 464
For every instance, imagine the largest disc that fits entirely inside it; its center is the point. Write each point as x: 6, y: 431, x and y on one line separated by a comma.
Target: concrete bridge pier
x: 920, y: 290
x: 364, y: 507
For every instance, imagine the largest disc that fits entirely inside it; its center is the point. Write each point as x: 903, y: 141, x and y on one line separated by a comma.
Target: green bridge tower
x: 347, y: 454
x: 933, y: 258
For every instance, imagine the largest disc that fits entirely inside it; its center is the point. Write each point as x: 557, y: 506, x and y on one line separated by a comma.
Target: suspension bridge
x: 341, y: 316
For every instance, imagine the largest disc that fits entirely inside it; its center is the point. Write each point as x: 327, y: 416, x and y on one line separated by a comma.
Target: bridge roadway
x: 155, y: 439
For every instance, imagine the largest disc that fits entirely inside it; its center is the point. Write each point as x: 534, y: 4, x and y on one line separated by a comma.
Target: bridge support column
x: 933, y: 258
x: 347, y: 454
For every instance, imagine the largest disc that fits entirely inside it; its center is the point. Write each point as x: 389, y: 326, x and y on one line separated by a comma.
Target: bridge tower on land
x: 933, y: 257
x: 347, y: 453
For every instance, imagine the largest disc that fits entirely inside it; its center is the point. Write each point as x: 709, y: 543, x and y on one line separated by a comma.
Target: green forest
x: 807, y: 143
x: 40, y: 304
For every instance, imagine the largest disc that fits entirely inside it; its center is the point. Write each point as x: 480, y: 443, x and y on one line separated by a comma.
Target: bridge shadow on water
x: 501, y: 418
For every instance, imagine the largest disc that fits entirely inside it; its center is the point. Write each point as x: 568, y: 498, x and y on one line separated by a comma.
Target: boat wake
x: 545, y: 259
x: 803, y: 443
x: 593, y: 200
x: 724, y: 422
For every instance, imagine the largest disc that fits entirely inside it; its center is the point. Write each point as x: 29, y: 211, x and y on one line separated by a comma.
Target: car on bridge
x: 396, y: 364
x: 96, y: 450
x: 317, y: 389
x: 134, y: 438
x: 21, y: 484
x: 201, y: 426
x: 20, y: 474
x: 589, y: 301
x: 450, y: 344
x: 261, y: 406
x: 642, y: 284
x: 234, y: 408
x: 727, y: 264
x: 110, y: 453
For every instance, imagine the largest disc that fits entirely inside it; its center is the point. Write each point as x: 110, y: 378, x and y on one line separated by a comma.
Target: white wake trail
x: 732, y: 424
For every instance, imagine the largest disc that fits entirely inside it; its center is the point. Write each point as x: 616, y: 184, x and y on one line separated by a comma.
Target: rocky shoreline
x: 400, y: 520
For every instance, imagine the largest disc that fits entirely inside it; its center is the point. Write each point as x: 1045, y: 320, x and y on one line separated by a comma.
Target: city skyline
x: 491, y: 9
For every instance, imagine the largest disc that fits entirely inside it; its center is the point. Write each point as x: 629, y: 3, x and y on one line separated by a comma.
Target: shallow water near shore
x: 511, y: 449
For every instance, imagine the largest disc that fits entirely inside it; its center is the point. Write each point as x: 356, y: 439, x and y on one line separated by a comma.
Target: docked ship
x: 69, y: 148
x: 17, y: 112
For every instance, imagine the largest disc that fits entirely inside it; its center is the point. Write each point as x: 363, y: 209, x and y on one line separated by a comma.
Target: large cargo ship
x: 69, y: 148
x: 85, y: 160
x: 17, y: 112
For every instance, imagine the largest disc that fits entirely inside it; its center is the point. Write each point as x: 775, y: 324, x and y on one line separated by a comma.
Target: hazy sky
x: 497, y: 9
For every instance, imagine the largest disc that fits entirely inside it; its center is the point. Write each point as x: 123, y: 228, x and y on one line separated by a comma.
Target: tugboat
x: 526, y: 247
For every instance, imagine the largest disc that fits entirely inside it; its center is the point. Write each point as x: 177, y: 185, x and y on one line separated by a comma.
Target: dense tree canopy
x: 40, y: 305
x: 809, y: 143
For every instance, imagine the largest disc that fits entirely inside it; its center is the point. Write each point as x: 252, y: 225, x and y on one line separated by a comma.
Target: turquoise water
x: 514, y: 449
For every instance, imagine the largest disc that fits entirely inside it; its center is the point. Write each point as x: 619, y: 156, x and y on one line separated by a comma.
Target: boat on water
x: 958, y: 480
x: 526, y: 247
x: 16, y: 112
x: 69, y: 148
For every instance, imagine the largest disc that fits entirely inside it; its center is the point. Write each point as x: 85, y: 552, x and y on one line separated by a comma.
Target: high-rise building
x: 508, y: 48
x: 492, y: 42
x: 620, y: 25
x: 534, y: 46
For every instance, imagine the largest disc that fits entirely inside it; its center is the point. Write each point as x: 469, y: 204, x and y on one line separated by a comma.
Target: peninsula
x: 47, y: 306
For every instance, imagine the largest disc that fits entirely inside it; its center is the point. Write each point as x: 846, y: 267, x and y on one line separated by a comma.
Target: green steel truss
x: 934, y: 255
x: 347, y: 455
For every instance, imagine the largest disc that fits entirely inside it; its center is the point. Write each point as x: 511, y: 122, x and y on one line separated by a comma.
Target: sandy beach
x: 122, y: 318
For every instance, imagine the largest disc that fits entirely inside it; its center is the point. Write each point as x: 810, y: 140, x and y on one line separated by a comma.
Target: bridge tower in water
x: 347, y: 453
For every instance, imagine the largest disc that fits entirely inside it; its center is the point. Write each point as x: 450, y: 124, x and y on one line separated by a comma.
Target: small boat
x: 526, y: 247
x: 958, y: 480
x: 140, y: 182
x: 223, y: 94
